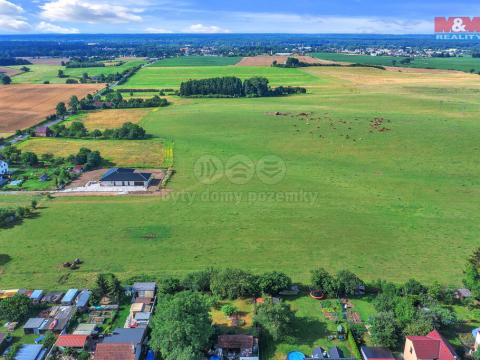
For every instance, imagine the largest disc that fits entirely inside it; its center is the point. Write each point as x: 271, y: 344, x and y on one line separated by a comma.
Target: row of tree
x: 128, y: 131
x: 231, y: 86
x: 9, y: 216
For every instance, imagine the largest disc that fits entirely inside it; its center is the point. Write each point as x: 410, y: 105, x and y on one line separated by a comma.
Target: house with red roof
x: 429, y: 347
x: 72, y: 341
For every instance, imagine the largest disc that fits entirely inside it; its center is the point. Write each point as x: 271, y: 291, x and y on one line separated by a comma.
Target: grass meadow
x: 395, y: 203
x: 198, y: 61
x: 171, y: 77
x: 466, y: 63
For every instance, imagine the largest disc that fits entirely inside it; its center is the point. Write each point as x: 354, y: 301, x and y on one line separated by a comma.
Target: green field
x: 170, y: 77
x: 40, y: 73
x: 393, y: 204
x: 466, y: 63
x: 198, y: 61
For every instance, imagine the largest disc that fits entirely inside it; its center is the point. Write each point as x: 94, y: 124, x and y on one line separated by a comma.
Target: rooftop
x: 114, y: 352
x: 144, y: 286
x: 125, y: 174
x: 376, y: 353
x: 77, y: 341
x: 432, y: 346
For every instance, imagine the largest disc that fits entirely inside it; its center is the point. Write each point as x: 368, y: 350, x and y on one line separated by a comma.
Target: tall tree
x: 181, y: 326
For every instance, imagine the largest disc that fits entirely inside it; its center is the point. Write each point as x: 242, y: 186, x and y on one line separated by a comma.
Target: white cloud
x: 156, y: 30
x: 295, y: 23
x: 7, y: 7
x: 89, y: 12
x: 52, y: 28
x: 10, y: 18
x: 10, y: 23
x: 205, y: 29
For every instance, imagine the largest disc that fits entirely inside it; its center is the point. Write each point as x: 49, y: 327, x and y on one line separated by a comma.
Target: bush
x: 15, y: 309
x: 169, y: 285
x: 229, y: 309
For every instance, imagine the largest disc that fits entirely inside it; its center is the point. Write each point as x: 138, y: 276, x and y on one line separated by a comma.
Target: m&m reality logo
x: 457, y: 28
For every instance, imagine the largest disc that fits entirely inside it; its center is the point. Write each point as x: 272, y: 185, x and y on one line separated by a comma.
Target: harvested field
x: 108, y: 119
x: 133, y: 153
x: 9, y: 71
x: 46, y: 60
x: 265, y: 60
x: 22, y: 106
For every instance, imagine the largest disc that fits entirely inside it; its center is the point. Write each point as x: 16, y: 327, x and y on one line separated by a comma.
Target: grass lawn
x: 171, y: 77
x: 394, y: 204
x: 466, y: 63
x: 198, y: 61
x: 134, y: 153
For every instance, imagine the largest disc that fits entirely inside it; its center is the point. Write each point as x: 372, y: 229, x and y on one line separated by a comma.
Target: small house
x: 141, y: 319
x: 125, y: 177
x: 42, y: 131
x: 72, y: 341
x: 69, y: 297
x: 134, y: 337
x: 82, y: 300
x: 36, y: 296
x: 86, y: 329
x: 115, y: 351
x: 430, y: 346
x: 34, y: 326
x: 244, y: 346
x: 376, y: 353
x: 31, y: 352
x: 144, y: 290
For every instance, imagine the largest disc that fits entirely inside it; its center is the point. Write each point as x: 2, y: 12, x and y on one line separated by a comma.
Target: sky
x: 227, y: 16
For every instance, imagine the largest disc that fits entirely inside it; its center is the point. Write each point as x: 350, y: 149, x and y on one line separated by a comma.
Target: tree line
x: 128, y: 131
x: 231, y: 86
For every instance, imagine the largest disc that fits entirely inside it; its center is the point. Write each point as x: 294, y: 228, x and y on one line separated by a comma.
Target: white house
x: 477, y: 341
x: 3, y: 168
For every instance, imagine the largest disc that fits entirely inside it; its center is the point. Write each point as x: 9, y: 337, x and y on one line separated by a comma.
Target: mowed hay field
x: 133, y: 153
x: 109, y: 119
x: 395, y: 204
x: 23, y: 106
x: 171, y: 77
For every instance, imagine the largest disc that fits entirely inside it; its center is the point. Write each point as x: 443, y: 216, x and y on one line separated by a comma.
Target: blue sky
x: 227, y: 16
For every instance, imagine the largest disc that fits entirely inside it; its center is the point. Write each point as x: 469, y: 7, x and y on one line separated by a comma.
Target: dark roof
x: 235, y: 341
x: 144, y: 286
x: 114, y: 352
x: 335, y: 353
x: 125, y: 174
x: 376, y: 353
x: 126, y: 336
x: 34, y: 323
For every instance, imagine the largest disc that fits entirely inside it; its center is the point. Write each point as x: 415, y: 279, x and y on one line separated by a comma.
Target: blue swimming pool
x: 295, y: 355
